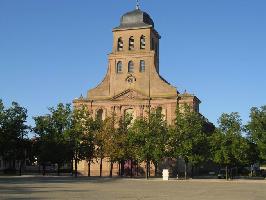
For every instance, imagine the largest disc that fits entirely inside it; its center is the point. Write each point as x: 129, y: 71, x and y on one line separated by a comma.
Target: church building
x: 133, y: 81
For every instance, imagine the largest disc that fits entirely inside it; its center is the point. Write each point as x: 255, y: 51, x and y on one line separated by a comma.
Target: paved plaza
x: 101, y: 189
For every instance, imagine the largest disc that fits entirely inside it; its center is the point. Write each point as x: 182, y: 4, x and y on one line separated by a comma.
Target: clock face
x: 131, y: 79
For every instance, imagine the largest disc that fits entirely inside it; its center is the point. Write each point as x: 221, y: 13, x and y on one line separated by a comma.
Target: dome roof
x: 135, y: 19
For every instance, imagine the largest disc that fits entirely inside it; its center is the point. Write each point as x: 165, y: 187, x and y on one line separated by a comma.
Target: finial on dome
x: 137, y: 5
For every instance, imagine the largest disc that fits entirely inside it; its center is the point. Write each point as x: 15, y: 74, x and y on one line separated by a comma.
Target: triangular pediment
x: 129, y: 95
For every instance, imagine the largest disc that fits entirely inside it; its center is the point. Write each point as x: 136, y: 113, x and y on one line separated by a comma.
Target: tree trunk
x: 89, y: 168
x: 137, y: 168
x: 58, y: 169
x: 72, y: 169
x: 20, y: 168
x: 101, y: 167
x: 156, y: 169
x: 122, y: 168
x: 119, y: 168
x: 185, y: 170
x: 226, y: 172
x: 147, y: 169
x: 76, y: 168
x: 111, y: 170
x: 43, y: 170
x: 192, y: 171
x: 131, y: 168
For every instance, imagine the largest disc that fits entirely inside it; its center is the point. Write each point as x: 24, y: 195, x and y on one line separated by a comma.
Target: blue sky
x: 51, y: 51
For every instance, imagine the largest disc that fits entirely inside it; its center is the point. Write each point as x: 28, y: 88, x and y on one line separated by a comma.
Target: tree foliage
x: 256, y: 128
x: 81, y: 135
x: 52, y: 130
x: 65, y: 135
x: 147, y: 138
x: 13, y: 133
x: 189, y: 137
x: 125, y: 148
x: 229, y: 148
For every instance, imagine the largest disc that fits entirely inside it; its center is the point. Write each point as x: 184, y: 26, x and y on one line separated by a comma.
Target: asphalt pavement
x: 37, y: 187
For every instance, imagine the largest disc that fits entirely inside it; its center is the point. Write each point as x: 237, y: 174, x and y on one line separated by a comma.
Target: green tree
x: 256, y: 128
x: 44, y: 142
x: 13, y: 133
x: 189, y: 137
x: 159, y: 136
x: 2, y: 119
x: 89, y: 141
x: 229, y: 148
x: 52, y: 130
x: 80, y: 136
x: 148, y: 137
x: 124, y: 148
x: 109, y: 142
x: 101, y: 136
x: 139, y: 137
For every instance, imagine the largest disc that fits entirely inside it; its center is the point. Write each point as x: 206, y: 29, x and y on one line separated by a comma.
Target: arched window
x: 119, y: 67
x: 99, y: 114
x: 142, y: 42
x: 131, y: 43
x: 130, y: 67
x: 120, y: 44
x: 142, y: 66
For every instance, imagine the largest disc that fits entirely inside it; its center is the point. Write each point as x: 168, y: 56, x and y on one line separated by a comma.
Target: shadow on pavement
x: 49, y: 179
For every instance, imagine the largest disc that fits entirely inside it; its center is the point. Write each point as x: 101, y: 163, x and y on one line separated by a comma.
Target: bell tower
x: 133, y: 82
x: 134, y: 60
x: 136, y: 35
x: 133, y: 79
